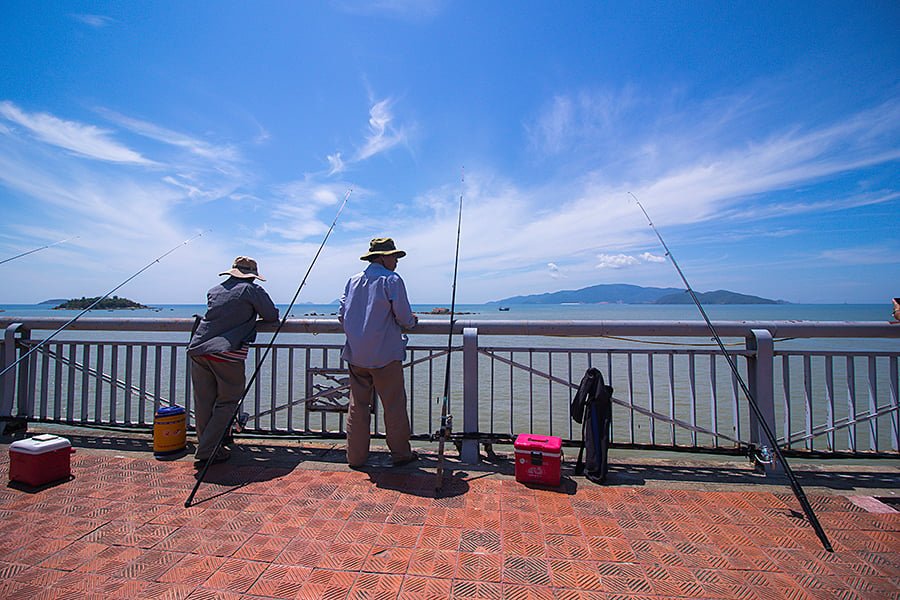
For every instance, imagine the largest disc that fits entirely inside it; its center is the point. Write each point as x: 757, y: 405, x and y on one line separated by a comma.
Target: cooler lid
x: 40, y: 444
x: 542, y: 443
x: 169, y: 410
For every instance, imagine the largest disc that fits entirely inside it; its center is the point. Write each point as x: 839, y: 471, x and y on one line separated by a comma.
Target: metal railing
x: 829, y: 387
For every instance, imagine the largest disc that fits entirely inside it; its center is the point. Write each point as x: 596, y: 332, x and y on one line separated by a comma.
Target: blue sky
x: 762, y: 138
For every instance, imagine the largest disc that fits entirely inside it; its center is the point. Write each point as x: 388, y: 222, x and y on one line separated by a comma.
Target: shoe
x: 405, y: 461
x: 221, y: 457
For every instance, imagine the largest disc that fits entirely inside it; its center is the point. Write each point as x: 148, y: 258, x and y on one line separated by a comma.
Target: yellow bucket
x: 169, y: 430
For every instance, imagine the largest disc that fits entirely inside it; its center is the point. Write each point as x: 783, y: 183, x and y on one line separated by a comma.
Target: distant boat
x: 503, y: 308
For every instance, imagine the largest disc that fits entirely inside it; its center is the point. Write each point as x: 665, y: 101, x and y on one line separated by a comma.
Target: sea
x: 514, y: 312
x: 528, y: 312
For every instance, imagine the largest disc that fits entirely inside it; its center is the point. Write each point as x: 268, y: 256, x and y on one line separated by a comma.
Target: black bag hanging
x: 592, y: 407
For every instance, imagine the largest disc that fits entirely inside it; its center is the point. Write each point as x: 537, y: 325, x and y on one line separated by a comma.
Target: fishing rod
x: 97, y: 301
x: 6, y: 260
x: 237, y: 408
x: 447, y: 419
x: 795, y: 485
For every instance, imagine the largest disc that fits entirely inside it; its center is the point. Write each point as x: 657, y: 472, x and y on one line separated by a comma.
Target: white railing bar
x: 592, y: 328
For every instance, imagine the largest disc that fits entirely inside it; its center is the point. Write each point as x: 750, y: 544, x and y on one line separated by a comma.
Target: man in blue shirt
x: 374, y: 311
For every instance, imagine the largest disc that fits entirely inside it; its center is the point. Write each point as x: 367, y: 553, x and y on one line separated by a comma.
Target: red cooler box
x: 538, y: 459
x: 40, y: 459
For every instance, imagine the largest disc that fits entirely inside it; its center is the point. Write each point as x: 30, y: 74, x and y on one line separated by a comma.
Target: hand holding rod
x: 237, y: 408
x: 795, y: 485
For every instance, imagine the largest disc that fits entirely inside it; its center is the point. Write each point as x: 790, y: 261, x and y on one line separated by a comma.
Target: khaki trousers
x: 387, y: 382
x: 218, y: 387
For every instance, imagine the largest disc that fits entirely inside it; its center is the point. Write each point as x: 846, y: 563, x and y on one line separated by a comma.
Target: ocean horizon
x: 567, y: 312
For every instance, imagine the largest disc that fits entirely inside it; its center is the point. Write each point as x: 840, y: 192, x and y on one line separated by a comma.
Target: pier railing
x: 824, y: 387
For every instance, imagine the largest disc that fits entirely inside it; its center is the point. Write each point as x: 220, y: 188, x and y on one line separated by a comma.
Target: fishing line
x: 795, y: 485
x: 287, y: 312
x: 683, y: 344
x: 6, y: 260
x: 446, y: 418
x: 97, y: 301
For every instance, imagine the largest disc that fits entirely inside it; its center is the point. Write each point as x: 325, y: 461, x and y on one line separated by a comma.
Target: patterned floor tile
x: 332, y: 534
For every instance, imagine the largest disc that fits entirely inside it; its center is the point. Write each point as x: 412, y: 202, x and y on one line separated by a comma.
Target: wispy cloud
x: 864, y: 255
x: 337, y: 164
x: 413, y: 10
x: 218, y: 153
x: 383, y: 135
x: 585, y: 118
x: 94, y: 20
x: 85, y: 140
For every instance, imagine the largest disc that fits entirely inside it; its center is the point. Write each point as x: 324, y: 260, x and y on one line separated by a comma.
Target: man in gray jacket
x: 218, y: 349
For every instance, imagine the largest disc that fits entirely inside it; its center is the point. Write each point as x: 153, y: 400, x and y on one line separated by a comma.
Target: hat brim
x: 243, y: 274
x: 371, y: 255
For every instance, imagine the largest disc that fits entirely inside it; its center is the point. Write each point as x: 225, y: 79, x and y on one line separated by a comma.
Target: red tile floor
x: 269, y: 529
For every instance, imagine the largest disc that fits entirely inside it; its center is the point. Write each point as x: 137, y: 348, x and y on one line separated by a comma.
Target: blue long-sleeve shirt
x: 374, y: 311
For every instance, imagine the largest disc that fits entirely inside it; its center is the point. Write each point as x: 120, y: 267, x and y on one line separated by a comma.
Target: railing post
x: 469, y: 450
x: 7, y: 382
x: 761, y: 370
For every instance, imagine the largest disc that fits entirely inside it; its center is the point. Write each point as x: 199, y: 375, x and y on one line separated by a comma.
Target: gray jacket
x: 230, y: 320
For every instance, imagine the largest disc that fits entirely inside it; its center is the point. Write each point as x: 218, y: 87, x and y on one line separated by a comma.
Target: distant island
x: 620, y: 293
x: 114, y: 303
x: 54, y: 301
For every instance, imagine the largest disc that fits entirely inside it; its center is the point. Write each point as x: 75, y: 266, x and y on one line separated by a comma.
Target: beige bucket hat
x: 245, y: 268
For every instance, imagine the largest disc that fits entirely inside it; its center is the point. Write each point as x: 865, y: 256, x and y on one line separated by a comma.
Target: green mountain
x: 717, y: 297
x: 620, y: 293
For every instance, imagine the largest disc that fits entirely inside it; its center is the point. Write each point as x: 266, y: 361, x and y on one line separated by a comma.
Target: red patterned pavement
x: 262, y: 529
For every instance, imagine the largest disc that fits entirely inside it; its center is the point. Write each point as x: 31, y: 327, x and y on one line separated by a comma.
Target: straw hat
x: 382, y: 247
x: 245, y: 268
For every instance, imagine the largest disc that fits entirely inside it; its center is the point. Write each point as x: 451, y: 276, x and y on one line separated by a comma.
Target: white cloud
x: 337, y: 165
x: 382, y: 134
x: 652, y: 258
x: 555, y: 271
x: 616, y: 261
x: 85, y: 140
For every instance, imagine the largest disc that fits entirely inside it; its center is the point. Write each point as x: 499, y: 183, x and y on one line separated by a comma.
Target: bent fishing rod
x: 237, y: 408
x: 97, y: 301
x: 6, y: 260
x: 795, y: 485
x: 446, y: 418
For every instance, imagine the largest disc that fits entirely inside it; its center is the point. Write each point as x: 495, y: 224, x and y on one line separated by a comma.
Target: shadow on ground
x: 265, y: 459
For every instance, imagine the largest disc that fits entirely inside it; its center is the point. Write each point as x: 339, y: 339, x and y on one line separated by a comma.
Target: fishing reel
x: 240, y: 422
x: 445, y: 429
x: 237, y: 426
x: 761, y: 456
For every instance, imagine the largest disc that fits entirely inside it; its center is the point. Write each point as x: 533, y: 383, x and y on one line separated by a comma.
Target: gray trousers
x: 218, y: 387
x: 387, y: 381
